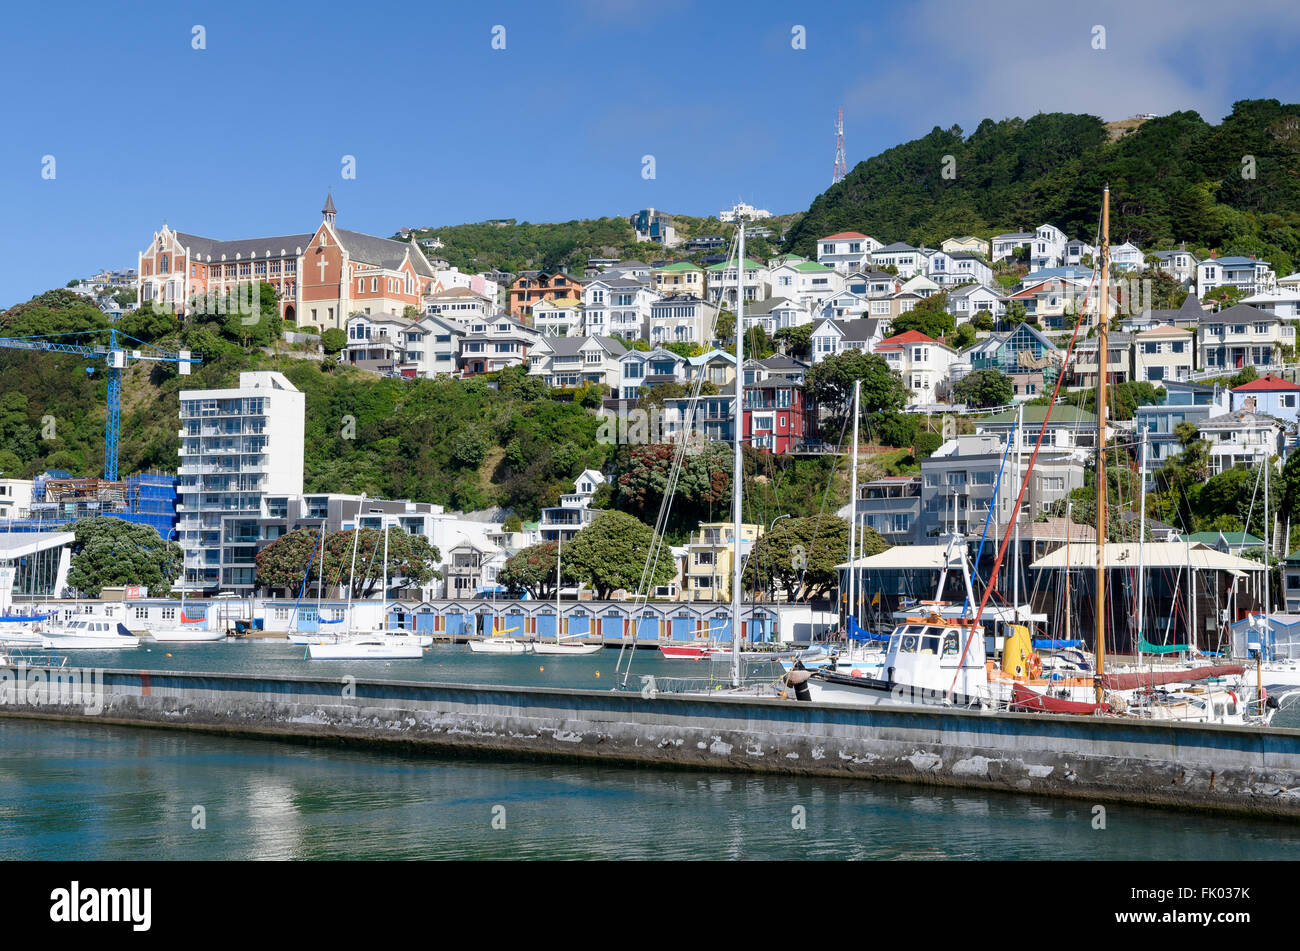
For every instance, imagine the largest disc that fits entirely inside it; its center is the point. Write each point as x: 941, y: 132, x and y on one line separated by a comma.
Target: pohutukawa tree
x: 110, y: 551
x: 610, y: 554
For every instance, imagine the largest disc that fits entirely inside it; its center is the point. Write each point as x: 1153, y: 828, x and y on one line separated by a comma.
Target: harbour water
x: 85, y: 791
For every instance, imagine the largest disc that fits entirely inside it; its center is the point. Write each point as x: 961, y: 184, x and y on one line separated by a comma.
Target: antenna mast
x: 841, y: 164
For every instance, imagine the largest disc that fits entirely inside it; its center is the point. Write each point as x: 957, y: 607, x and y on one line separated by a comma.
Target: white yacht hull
x: 187, y: 636
x: 561, y: 650
x: 501, y: 645
x: 365, y: 648
x: 113, y: 642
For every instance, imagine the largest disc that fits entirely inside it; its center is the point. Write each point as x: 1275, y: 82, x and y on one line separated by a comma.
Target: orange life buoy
x: 855, y: 673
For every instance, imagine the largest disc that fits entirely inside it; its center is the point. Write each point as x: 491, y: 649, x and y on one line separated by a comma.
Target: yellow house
x: 683, y: 277
x: 968, y: 243
x: 707, y: 573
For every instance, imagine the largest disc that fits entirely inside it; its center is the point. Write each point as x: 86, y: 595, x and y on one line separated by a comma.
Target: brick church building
x: 322, y: 277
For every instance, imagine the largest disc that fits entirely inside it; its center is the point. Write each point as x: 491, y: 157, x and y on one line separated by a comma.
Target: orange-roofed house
x: 921, y: 361
x: 846, y: 251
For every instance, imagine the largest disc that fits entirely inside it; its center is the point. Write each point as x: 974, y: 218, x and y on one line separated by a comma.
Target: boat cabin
x: 933, y: 655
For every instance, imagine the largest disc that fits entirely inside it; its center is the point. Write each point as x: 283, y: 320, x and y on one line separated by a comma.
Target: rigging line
x: 988, y: 517
x: 656, y: 550
x: 1015, y: 511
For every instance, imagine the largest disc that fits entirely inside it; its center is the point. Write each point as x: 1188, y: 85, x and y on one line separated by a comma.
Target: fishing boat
x: 90, y: 632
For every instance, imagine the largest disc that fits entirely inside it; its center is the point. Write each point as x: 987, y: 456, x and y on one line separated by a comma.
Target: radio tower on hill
x: 841, y: 166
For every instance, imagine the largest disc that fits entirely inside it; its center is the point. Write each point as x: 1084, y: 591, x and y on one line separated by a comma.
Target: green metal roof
x: 1061, y: 413
x: 1232, y: 538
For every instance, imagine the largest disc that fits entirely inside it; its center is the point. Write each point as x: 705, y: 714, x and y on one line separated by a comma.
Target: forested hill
x: 1174, y: 178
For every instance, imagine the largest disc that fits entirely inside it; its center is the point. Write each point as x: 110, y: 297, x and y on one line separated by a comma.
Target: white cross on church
x: 321, y: 264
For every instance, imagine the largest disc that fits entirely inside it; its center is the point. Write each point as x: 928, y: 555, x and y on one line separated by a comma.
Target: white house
x: 1005, y: 245
x: 1047, y: 248
x: 561, y: 317
x: 904, y: 258
x: 1284, y: 302
x: 565, y: 520
x: 460, y: 304
x: 921, y: 361
x: 1127, y: 257
x: 617, y: 306
x: 722, y: 282
x: 574, y: 361
x: 830, y: 337
x: 846, y: 250
x: 776, y: 313
x: 1247, y: 274
x: 807, y: 283
x: 1179, y: 264
x: 1241, y: 438
x: 972, y: 299
x: 1242, y: 336
x: 494, y: 344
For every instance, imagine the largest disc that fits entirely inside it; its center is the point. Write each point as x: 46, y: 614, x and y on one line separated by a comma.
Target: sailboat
x: 377, y: 645
x: 559, y: 648
x: 494, y: 643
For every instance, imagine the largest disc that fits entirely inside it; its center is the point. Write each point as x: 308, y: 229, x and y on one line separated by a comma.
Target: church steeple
x: 328, y: 211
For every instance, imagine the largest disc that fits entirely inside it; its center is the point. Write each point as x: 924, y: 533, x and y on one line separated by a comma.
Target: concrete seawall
x: 1236, y: 769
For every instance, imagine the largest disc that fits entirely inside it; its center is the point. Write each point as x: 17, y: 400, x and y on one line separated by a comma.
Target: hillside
x: 1174, y: 178
x: 514, y: 246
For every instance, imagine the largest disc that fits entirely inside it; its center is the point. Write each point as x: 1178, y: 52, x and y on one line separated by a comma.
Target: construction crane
x: 117, y: 354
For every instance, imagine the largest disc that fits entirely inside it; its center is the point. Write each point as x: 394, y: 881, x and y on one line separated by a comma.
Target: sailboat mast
x: 352, y: 572
x: 1015, y: 578
x: 1268, y: 569
x: 1142, y: 542
x: 849, y: 610
x: 383, y: 610
x: 559, y: 618
x: 1069, y: 526
x: 1103, y: 354
x: 738, y: 469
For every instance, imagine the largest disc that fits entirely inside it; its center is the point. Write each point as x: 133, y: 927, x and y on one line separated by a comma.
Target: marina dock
x: 1217, y: 768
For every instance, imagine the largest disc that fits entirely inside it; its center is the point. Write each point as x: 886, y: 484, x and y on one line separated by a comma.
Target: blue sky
x: 244, y: 138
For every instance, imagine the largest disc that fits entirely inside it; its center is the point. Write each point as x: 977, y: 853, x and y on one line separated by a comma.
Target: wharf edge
x: 1233, y: 769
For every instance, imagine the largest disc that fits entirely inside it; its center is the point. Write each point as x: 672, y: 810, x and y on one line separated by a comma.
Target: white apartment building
x: 15, y: 497
x: 237, y: 446
x: 950, y: 268
x: 1284, y: 302
x: 574, y: 513
x: 1047, y: 248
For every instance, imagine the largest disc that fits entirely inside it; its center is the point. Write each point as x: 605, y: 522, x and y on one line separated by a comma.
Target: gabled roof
x: 681, y: 266
x: 1163, y: 330
x: 896, y: 246
x: 1239, y: 313
x: 1231, y: 538
x: 211, y: 250
x: 906, y: 337
x: 1266, y: 384
x: 967, y: 289
x: 1240, y: 417
x: 383, y: 252
x: 843, y: 235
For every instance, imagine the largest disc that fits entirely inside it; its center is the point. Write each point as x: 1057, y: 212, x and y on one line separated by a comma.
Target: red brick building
x: 322, y: 277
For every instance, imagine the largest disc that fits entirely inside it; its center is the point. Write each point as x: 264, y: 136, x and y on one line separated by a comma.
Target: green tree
x: 798, y: 557
x: 610, y: 554
x: 796, y: 341
x: 929, y: 317
x: 333, y: 340
x: 984, y: 388
x: 282, y: 564
x: 107, y: 552
x: 830, y: 383
x: 964, y: 336
x: 533, y: 570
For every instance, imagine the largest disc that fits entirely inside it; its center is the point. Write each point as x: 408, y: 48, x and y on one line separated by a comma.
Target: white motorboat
x: 187, y: 635
x: 90, y: 632
x: 367, y: 647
